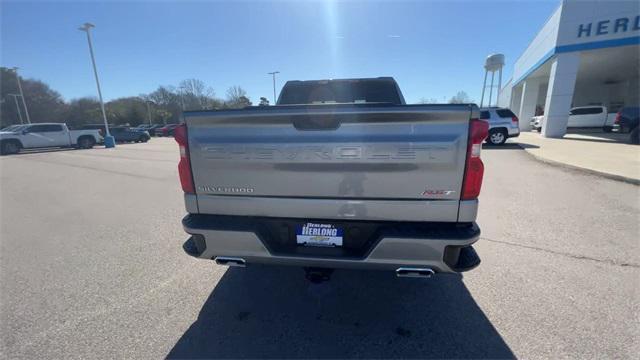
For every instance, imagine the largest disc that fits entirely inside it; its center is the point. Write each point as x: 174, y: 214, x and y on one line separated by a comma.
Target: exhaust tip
x: 230, y: 261
x: 414, y: 272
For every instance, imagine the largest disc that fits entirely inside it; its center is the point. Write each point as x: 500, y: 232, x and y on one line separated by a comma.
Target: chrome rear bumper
x: 443, y: 249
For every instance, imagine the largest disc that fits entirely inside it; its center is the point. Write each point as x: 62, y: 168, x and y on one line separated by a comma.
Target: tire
x: 497, y: 137
x: 633, y: 136
x: 86, y: 142
x: 142, y: 139
x: 607, y: 128
x: 10, y: 147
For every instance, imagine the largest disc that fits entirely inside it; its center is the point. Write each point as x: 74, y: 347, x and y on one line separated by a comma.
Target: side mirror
x: 24, y: 132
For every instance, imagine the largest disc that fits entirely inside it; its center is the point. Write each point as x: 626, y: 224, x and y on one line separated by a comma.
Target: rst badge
x: 313, y: 234
x: 434, y: 192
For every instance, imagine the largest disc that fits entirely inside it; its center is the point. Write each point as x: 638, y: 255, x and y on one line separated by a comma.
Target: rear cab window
x: 586, y: 111
x: 485, y: 115
x: 45, y: 128
x: 340, y: 91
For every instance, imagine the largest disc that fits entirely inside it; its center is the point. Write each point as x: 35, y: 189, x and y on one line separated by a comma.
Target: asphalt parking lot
x: 92, y: 267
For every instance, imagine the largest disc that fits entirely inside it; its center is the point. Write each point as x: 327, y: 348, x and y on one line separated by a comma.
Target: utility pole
x: 26, y: 111
x: 109, y: 141
x: 15, y: 98
x: 273, y: 74
x: 148, y: 111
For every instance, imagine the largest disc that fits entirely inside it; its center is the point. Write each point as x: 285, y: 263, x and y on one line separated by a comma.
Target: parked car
x: 11, y: 127
x: 123, y: 134
x: 151, y: 129
x: 96, y: 127
x: 166, y: 130
x: 44, y: 135
x: 627, y: 121
x: 582, y: 117
x: 503, y: 124
x: 345, y: 175
x: 536, y: 122
x: 589, y: 116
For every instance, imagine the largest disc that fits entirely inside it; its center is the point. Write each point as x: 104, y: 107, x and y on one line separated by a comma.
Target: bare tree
x: 424, y: 100
x: 235, y: 92
x: 196, y: 94
x: 460, y: 98
x: 237, y: 97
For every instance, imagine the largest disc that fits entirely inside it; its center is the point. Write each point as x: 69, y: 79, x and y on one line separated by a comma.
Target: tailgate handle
x: 316, y: 122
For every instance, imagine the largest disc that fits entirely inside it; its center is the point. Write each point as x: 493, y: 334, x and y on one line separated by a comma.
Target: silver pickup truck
x: 340, y: 174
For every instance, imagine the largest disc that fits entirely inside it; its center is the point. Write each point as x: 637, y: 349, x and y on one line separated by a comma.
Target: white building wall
x: 562, y: 81
x: 540, y: 47
x: 504, y: 97
x: 596, y: 20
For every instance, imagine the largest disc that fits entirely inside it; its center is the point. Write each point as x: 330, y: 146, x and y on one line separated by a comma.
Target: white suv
x: 503, y: 124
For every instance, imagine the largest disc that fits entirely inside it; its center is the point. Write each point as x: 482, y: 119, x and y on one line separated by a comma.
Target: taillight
x: 618, y: 116
x: 474, y: 168
x: 514, y: 120
x: 184, y: 166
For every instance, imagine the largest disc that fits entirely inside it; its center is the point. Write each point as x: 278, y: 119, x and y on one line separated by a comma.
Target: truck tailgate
x: 358, y: 161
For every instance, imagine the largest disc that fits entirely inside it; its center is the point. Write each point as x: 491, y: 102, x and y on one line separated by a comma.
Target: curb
x: 626, y: 179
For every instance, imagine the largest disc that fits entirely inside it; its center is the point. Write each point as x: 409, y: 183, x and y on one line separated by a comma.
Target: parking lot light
x: 15, y: 98
x: 273, y: 75
x: 26, y: 111
x: 109, y: 141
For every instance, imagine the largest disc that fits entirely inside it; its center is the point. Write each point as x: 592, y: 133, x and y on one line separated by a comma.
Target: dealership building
x: 587, y: 53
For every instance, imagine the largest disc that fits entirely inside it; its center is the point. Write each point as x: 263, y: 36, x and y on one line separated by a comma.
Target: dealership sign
x: 611, y: 26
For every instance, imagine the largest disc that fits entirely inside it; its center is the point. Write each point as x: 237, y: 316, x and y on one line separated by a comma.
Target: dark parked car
x: 123, y: 133
x: 96, y: 127
x: 627, y: 121
x: 151, y: 129
x: 166, y: 130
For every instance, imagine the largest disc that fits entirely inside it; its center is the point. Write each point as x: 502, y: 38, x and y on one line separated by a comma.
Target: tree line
x: 460, y: 97
x: 164, y: 105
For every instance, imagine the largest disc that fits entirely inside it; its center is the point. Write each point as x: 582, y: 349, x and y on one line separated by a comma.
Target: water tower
x: 494, y: 63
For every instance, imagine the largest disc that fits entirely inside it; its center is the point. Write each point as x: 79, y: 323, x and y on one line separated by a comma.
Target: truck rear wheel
x: 9, y: 147
x: 86, y: 142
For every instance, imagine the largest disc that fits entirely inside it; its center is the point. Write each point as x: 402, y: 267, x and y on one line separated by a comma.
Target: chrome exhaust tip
x: 414, y: 272
x: 230, y: 261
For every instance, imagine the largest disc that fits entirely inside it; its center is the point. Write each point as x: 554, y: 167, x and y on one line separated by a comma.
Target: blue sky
x: 433, y: 49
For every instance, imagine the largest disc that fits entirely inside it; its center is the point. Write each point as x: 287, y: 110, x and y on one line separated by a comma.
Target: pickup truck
x: 44, y: 135
x: 339, y: 174
x: 582, y: 117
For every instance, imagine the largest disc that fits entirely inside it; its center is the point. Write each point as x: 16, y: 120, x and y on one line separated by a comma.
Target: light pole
x: 109, y: 141
x: 147, y: 102
x: 182, y: 91
x: 26, y: 111
x: 273, y: 74
x: 15, y: 98
x: 148, y: 111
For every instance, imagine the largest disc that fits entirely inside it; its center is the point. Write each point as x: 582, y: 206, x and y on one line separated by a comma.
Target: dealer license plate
x: 317, y: 234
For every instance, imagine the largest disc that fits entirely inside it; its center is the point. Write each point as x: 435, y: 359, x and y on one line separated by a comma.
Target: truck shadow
x: 273, y: 312
x: 42, y: 150
x: 509, y: 146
